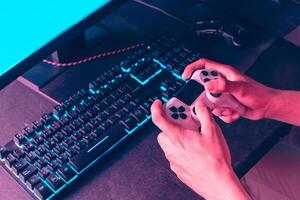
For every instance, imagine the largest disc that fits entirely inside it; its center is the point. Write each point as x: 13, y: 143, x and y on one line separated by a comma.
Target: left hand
x: 200, y: 160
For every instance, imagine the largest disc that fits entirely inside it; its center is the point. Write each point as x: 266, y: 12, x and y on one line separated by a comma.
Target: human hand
x: 200, y: 160
x: 257, y: 98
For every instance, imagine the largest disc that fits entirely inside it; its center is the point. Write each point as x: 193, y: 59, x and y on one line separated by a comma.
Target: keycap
x: 27, y: 173
x: 40, y: 151
x: 139, y: 115
x: 44, y: 173
x: 55, y: 126
x: 42, y: 191
x: 19, y: 165
x: 53, y: 166
x: 88, y: 139
x: 19, y: 138
x: 59, y: 149
x: 31, y: 157
x: 50, y: 156
x: 68, y: 142
x: 66, y: 172
x: 3, y: 152
x: 10, y: 159
x: 30, y: 132
x: 50, y: 143
x: 33, y: 181
x: 37, y: 140
x: 67, y: 130
x: 80, y: 145
x: 37, y: 125
x: 58, y: 110
x: 129, y: 123
x: 19, y: 153
x: 47, y: 118
x: 62, y: 159
x: 40, y: 163
x: 28, y: 146
x: 71, y: 152
x: 97, y: 148
x: 55, y: 181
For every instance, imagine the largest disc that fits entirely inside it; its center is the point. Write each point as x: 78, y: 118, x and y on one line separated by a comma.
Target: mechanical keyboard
x: 52, y: 152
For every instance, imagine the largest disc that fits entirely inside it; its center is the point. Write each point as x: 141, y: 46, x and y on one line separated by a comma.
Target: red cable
x: 85, y: 60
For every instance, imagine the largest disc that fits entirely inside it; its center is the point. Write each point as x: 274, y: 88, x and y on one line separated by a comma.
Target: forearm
x: 233, y: 189
x: 285, y: 107
x: 228, y: 187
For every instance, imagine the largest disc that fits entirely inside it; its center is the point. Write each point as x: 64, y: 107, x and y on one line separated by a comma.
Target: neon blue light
x: 73, y: 179
x: 91, y: 149
x: 143, y: 122
x: 177, y: 76
x: 148, y: 79
x: 125, y: 70
x: 55, y: 116
x: 158, y: 62
x: 131, y: 131
x: 165, y: 67
x: 163, y: 88
x: 165, y: 99
x: 92, y: 91
x: 105, y: 153
x: 73, y: 168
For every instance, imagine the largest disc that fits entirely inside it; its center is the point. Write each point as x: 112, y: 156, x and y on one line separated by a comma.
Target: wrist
x: 227, y: 187
x: 232, y: 188
x: 276, y: 101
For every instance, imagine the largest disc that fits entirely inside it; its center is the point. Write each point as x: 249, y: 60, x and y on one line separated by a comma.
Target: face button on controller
x: 214, y: 73
x: 173, y: 109
x: 216, y: 94
x: 204, y: 73
x: 178, y: 112
x: 206, y: 80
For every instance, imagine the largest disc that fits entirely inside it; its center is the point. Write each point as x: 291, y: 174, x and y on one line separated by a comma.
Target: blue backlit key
x: 55, y: 181
x: 42, y: 191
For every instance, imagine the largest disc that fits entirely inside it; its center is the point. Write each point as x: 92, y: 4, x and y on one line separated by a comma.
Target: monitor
x: 31, y: 30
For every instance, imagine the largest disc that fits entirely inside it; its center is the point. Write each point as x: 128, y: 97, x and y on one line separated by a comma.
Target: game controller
x: 181, y: 108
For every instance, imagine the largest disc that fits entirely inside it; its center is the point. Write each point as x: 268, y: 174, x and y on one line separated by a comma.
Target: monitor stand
x: 42, y: 74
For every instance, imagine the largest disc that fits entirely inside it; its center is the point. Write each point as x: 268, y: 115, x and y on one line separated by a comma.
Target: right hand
x: 257, y: 98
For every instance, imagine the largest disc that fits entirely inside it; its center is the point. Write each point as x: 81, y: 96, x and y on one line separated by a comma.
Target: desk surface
x: 138, y: 169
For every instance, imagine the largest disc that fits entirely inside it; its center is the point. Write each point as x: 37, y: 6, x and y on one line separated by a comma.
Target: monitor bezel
x: 57, y: 43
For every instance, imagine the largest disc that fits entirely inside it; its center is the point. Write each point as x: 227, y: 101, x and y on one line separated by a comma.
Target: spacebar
x: 97, y: 148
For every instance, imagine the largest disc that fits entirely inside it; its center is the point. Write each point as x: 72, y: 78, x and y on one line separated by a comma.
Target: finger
x: 230, y: 118
x: 221, y: 112
x: 188, y: 71
x: 163, y: 141
x: 166, y: 145
x: 235, y: 116
x: 238, y: 89
x: 205, y: 117
x: 160, y: 120
x: 226, y: 119
x: 216, y: 86
x: 227, y: 71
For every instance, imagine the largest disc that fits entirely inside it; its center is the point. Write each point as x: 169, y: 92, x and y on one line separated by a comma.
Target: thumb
x: 205, y: 117
x: 236, y: 88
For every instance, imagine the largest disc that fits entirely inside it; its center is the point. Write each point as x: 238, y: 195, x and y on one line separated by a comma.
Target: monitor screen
x: 26, y: 26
